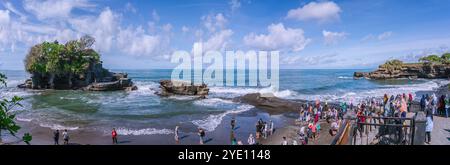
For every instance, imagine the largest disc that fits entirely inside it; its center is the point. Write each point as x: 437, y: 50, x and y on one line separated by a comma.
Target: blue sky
x: 310, y: 34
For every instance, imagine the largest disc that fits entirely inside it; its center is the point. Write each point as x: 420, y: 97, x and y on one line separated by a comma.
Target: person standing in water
x: 56, y: 137
x: 65, y: 137
x: 177, y: 138
x: 114, y: 136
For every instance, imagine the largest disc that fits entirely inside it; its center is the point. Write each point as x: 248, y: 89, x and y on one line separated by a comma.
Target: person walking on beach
x: 271, y: 127
x: 65, y: 135
x: 422, y: 103
x: 285, y: 142
x: 201, y: 134
x: 266, y: 130
x: 251, y: 140
x: 56, y: 137
x: 114, y: 136
x: 447, y: 106
x: 233, y: 123
x: 434, y: 103
x: 314, y: 132
x: 429, y: 125
x: 233, y: 138
x: 177, y: 138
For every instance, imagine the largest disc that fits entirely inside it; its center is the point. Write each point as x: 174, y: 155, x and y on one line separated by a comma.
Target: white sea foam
x: 213, y: 102
x: 57, y: 126
x: 356, y: 96
x: 14, y: 83
x: 23, y: 119
x: 231, y: 92
x: 345, y: 77
x: 146, y: 88
x: 212, y: 121
x: 145, y: 131
x: 183, y: 98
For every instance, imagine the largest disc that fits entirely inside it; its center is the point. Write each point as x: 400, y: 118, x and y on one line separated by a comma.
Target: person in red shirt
x: 362, y: 119
x: 114, y: 136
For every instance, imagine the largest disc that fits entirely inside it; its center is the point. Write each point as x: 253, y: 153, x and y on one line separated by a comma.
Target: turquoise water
x: 142, y: 112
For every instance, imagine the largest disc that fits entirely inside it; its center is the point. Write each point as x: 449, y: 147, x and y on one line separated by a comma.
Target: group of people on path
x: 309, y: 121
x: 432, y: 105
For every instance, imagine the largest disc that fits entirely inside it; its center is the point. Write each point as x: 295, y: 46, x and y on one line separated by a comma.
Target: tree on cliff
x: 50, y: 59
x: 435, y: 59
x: 446, y: 58
x: 431, y: 59
x: 7, y: 118
x: 392, y: 65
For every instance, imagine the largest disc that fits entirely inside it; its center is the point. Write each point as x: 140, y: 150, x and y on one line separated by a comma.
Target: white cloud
x: 184, y: 29
x: 333, y: 37
x: 155, y: 16
x: 218, y: 41
x: 384, y: 35
x: 214, y: 22
x: 137, y: 42
x: 103, y: 28
x: 234, y: 5
x: 320, y: 11
x: 380, y: 37
x: 10, y: 7
x: 310, y: 60
x: 278, y: 38
x: 45, y: 9
x: 4, y: 18
x: 130, y: 7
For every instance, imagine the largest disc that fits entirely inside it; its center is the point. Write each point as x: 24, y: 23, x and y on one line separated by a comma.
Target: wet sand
x: 220, y: 136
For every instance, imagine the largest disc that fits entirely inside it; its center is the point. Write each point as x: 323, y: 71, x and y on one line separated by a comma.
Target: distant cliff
x: 73, y: 65
x: 428, y: 68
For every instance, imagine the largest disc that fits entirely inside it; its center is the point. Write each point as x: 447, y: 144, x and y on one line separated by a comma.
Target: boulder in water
x: 176, y: 87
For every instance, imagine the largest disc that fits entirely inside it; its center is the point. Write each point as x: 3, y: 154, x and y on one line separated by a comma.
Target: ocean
x: 141, y: 112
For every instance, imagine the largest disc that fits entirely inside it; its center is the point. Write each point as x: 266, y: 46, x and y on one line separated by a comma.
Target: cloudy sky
x: 309, y: 34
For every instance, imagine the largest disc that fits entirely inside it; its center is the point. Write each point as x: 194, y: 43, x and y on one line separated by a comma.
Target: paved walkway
x: 441, y: 131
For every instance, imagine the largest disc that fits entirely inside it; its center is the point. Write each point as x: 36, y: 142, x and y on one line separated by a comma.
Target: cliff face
x: 410, y: 71
x: 96, y: 78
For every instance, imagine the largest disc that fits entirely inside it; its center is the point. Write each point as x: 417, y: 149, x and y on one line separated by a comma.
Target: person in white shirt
x: 251, y: 140
x: 177, y: 138
x: 266, y: 130
x: 271, y: 127
x: 284, y: 141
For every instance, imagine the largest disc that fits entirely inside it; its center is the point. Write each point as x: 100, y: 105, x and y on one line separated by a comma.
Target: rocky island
x: 429, y: 67
x: 74, y: 65
x: 177, y: 87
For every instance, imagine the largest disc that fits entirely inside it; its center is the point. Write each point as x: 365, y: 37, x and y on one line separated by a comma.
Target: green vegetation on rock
x: 435, y: 59
x: 392, y: 65
x: 53, y: 58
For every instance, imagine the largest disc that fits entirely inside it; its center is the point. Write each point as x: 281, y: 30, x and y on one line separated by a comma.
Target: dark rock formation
x: 273, y: 105
x: 95, y: 79
x: 410, y: 71
x: 169, y: 87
